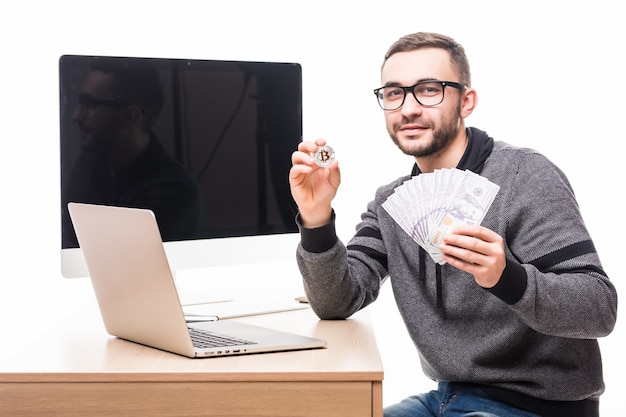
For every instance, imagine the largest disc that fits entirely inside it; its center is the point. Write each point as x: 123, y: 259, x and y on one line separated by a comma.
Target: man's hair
x: 421, y: 40
x: 135, y: 81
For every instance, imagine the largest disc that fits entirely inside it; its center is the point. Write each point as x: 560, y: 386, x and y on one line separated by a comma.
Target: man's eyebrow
x: 397, y: 84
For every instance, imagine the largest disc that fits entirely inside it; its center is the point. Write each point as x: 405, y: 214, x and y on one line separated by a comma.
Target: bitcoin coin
x: 324, y: 156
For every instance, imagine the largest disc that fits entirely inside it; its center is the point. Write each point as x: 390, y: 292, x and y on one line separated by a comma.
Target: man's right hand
x: 313, y: 187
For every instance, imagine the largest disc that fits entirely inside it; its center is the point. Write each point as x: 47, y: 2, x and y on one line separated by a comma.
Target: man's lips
x: 410, y: 129
x: 84, y: 129
x: 85, y: 135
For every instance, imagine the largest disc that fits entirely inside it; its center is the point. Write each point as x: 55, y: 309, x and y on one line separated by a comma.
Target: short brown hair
x: 136, y: 81
x: 421, y: 40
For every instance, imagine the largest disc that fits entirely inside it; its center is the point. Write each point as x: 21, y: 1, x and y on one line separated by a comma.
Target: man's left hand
x: 476, y: 250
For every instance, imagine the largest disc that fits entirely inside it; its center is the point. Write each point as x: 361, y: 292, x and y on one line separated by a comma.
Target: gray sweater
x: 533, y: 334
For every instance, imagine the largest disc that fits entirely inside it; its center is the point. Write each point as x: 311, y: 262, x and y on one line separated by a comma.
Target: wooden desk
x: 79, y: 370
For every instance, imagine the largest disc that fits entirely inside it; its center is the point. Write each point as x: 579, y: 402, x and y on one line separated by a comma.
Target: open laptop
x: 137, y: 296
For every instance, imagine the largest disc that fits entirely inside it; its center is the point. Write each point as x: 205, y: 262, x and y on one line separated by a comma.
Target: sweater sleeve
x: 554, y: 279
x: 340, y: 280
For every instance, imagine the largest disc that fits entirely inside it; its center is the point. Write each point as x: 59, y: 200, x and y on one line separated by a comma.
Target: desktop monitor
x: 205, y: 144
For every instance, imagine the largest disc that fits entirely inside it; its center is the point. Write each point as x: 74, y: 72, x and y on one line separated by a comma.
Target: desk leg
x: 377, y: 399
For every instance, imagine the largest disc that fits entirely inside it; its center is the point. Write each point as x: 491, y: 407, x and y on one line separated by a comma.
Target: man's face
x: 99, y: 116
x: 418, y: 130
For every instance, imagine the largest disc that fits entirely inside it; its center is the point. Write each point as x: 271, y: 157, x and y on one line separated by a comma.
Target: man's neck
x: 133, y: 149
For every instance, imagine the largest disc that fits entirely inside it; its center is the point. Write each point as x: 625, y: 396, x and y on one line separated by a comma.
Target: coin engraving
x: 324, y: 156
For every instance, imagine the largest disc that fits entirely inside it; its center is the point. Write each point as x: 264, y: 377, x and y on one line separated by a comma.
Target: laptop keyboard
x: 206, y: 339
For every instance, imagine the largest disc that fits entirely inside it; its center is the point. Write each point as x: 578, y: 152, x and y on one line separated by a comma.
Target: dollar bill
x: 428, y: 206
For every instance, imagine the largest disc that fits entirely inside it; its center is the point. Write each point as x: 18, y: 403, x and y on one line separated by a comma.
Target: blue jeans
x: 454, y: 400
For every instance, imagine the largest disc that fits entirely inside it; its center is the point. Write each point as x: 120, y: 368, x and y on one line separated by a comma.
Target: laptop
x: 137, y: 296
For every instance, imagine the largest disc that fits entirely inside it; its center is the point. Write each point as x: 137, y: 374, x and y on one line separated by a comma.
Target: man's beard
x: 442, y: 134
x: 100, y: 139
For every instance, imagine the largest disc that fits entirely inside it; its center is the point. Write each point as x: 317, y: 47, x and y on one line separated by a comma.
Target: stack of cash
x: 428, y: 206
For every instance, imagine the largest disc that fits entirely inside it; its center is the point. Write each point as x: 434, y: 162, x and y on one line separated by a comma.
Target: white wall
x: 548, y: 76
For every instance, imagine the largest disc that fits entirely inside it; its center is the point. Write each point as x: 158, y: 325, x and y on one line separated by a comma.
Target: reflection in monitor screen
x: 204, y: 144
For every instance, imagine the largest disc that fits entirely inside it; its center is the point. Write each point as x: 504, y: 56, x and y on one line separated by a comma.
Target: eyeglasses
x: 88, y: 102
x: 427, y: 93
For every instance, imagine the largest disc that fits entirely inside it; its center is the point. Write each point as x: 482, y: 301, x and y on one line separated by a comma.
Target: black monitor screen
x: 206, y: 145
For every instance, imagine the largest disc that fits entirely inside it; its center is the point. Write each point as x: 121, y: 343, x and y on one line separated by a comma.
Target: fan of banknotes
x: 428, y: 206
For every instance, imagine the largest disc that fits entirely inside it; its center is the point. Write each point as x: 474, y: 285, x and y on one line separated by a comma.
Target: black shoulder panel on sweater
x: 564, y: 254
x: 369, y: 232
x: 379, y: 257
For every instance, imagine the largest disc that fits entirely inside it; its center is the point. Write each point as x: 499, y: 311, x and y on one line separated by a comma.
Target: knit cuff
x: 512, y: 284
x: 318, y: 239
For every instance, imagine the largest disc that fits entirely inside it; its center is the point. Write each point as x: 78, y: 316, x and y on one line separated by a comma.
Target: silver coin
x: 324, y: 156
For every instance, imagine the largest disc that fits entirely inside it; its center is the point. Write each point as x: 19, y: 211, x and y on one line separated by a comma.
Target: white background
x: 549, y: 75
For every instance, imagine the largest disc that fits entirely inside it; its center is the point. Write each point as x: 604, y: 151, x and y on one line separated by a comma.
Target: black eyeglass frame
x: 86, y: 102
x: 444, y: 84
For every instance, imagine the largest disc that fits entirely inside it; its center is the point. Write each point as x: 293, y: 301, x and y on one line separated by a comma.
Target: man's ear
x: 468, y: 102
x: 133, y: 115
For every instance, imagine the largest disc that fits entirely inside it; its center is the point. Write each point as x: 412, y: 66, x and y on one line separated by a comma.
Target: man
x: 508, y: 324
x: 122, y: 161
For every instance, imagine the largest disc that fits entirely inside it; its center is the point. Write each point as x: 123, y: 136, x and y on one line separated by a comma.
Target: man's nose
x: 411, y: 105
x: 77, y: 114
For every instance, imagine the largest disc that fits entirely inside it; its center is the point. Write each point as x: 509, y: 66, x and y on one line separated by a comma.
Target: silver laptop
x: 137, y: 296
